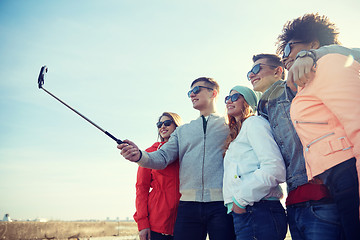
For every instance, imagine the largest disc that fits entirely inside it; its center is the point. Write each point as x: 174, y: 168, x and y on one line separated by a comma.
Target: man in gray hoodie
x: 199, y: 147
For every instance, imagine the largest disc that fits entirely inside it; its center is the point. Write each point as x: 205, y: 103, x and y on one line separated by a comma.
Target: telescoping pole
x: 41, y: 81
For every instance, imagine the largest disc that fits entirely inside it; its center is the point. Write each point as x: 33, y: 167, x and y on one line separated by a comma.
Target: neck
x: 207, y: 112
x: 270, y: 85
x: 237, y: 119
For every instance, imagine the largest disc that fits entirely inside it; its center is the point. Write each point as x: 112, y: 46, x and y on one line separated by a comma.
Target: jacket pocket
x: 335, y: 145
x: 317, y: 140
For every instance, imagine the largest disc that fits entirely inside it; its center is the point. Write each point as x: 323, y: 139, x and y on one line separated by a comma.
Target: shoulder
x: 255, y: 121
x: 154, y: 147
x: 256, y: 125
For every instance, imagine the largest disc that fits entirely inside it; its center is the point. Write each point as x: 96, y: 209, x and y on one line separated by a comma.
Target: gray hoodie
x: 199, y: 147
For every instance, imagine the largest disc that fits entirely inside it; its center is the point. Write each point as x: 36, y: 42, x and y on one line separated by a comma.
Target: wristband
x: 139, y: 157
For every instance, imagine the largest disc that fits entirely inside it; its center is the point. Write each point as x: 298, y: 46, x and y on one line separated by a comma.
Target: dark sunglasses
x: 233, y: 97
x: 287, y: 49
x: 197, y: 89
x: 256, y: 69
x: 166, y: 123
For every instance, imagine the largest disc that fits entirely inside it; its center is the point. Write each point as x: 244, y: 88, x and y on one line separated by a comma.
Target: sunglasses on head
x: 197, y: 89
x: 233, y: 97
x: 256, y: 69
x: 287, y: 49
x: 166, y: 123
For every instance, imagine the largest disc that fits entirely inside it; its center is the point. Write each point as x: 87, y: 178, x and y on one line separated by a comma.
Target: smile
x: 255, y: 80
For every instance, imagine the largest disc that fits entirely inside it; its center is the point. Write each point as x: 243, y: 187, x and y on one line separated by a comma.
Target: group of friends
x: 219, y: 176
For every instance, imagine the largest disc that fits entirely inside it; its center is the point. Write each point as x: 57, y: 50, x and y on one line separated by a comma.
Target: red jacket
x: 157, y: 196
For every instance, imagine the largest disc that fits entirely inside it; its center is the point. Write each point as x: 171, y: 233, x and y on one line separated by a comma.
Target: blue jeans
x: 342, y: 181
x: 314, y: 220
x: 263, y: 221
x: 197, y: 219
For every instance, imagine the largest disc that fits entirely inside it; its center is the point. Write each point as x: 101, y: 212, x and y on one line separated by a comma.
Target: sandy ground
x: 134, y: 236
x: 26, y: 230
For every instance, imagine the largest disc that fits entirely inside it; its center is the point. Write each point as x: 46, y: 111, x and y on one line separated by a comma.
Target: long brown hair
x: 174, y: 117
x: 234, y: 126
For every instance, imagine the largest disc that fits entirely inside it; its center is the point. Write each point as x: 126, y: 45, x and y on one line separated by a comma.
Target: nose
x: 251, y: 76
x: 228, y: 101
x: 192, y: 94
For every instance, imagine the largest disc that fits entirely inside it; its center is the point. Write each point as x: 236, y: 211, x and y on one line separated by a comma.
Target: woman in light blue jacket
x: 253, y: 169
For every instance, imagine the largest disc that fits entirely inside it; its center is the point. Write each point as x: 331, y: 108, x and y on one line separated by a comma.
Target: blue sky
x: 121, y: 64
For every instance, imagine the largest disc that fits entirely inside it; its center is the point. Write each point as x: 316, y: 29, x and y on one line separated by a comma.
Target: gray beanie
x: 248, y: 94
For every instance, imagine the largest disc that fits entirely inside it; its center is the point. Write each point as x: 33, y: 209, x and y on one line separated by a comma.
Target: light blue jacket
x: 253, y: 165
x: 199, y: 148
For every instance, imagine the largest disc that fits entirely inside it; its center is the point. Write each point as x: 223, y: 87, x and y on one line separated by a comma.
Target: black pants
x: 197, y: 219
x: 159, y: 236
x: 342, y: 181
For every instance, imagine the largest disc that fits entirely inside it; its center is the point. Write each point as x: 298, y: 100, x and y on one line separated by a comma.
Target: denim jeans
x: 343, y: 185
x: 263, y: 221
x: 197, y: 219
x: 314, y: 220
x: 159, y: 236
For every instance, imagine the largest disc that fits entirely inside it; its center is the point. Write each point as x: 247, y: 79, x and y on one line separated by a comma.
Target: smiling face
x: 204, y: 98
x: 235, y: 109
x: 295, y: 47
x: 165, y: 131
x: 265, y: 77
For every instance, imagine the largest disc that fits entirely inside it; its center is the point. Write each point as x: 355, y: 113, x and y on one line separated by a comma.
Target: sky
x: 121, y: 64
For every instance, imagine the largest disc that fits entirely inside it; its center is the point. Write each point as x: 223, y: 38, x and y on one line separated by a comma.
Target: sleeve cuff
x: 238, y: 204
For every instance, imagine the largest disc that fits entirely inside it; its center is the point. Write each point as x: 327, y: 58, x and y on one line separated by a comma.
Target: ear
x: 279, y: 71
x: 214, y: 93
x: 315, y: 44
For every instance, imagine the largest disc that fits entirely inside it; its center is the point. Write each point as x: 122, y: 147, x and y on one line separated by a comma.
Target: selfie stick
x: 44, y: 70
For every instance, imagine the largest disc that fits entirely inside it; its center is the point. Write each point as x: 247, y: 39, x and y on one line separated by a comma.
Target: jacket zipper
x: 316, y: 140
x: 203, y: 162
x: 304, y: 122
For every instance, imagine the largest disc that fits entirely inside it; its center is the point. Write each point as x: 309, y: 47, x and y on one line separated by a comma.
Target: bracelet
x: 139, y: 157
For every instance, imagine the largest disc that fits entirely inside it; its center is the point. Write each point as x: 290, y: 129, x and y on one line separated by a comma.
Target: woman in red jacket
x: 157, y: 191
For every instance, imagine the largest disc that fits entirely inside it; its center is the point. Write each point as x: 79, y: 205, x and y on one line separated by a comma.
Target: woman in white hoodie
x: 253, y: 169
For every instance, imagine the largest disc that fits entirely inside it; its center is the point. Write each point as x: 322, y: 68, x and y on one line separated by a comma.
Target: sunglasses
x: 256, y: 69
x: 287, y: 49
x: 233, y: 97
x: 197, y: 89
x: 166, y: 123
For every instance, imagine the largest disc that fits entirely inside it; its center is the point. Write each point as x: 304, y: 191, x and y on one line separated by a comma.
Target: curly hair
x: 308, y: 28
x: 234, y: 126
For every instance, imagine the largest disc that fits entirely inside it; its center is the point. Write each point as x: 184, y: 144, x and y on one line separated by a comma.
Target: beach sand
x: 71, y: 230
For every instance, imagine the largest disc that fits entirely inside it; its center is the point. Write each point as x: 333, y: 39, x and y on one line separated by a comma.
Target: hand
x: 237, y: 209
x: 129, y: 151
x: 300, y: 73
x: 144, y: 234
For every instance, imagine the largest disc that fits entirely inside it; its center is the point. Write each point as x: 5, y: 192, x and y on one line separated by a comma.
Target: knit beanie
x: 248, y: 94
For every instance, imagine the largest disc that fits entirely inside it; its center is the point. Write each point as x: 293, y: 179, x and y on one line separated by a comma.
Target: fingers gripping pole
x: 44, y: 70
